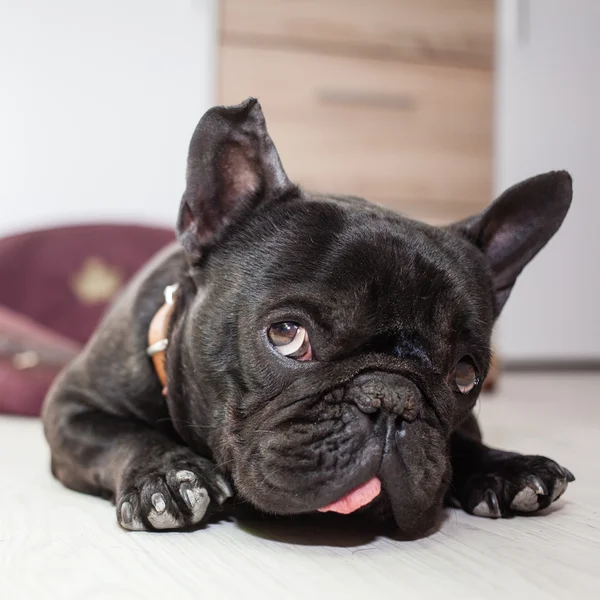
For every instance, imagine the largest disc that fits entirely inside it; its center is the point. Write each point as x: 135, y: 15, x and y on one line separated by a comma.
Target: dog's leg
x: 155, y: 482
x: 494, y: 483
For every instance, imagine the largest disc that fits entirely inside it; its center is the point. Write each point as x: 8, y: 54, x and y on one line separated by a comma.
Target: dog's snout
x: 391, y: 393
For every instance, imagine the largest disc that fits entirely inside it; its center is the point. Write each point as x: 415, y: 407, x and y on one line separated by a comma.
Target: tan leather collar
x: 157, y: 335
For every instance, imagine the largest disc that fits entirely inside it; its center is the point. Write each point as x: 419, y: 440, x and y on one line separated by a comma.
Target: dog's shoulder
x: 135, y: 306
x: 114, y: 366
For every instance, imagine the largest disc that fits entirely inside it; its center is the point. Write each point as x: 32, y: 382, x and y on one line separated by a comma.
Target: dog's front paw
x: 513, y: 485
x: 162, y: 494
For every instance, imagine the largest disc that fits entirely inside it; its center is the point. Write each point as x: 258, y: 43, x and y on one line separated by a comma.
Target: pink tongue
x: 361, y: 496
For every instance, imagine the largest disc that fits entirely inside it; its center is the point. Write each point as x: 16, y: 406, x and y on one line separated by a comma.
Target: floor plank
x: 58, y: 544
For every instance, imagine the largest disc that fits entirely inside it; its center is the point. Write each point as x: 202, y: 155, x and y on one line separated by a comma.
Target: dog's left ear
x: 517, y: 226
x: 233, y: 167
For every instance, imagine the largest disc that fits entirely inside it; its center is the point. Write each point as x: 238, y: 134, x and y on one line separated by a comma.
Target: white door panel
x: 548, y: 117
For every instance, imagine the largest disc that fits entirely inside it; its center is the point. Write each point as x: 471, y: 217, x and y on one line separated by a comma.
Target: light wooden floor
x: 58, y: 544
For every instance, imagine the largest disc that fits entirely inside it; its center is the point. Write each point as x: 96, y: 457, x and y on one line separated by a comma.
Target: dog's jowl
x: 311, y: 353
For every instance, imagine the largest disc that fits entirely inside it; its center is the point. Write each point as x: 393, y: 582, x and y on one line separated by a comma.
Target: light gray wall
x: 98, y: 101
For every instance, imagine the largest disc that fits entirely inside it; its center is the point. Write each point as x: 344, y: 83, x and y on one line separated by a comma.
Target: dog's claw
x: 199, y: 500
x: 224, y: 487
x: 538, y: 485
x: 454, y: 502
x: 127, y: 517
x: 494, y: 504
x: 126, y: 513
x: 158, y: 501
x: 489, y: 507
x: 559, y: 489
x: 187, y: 493
x: 570, y: 477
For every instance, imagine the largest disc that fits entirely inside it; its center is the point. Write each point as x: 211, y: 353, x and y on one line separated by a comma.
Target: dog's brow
x: 297, y: 303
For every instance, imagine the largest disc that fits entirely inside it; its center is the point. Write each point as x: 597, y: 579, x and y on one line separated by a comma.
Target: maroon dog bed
x: 56, y: 285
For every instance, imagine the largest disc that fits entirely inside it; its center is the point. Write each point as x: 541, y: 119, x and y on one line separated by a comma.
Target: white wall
x: 548, y: 117
x: 98, y: 101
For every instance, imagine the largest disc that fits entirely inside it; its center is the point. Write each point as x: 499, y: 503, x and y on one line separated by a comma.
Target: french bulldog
x: 324, y: 354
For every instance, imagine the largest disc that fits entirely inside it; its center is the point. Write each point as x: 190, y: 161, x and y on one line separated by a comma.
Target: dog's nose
x: 388, y: 392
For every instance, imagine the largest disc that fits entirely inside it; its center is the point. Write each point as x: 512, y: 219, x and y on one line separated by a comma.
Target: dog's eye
x: 464, y: 378
x: 291, y: 340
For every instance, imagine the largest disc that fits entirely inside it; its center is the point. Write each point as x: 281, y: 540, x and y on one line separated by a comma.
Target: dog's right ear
x: 233, y: 167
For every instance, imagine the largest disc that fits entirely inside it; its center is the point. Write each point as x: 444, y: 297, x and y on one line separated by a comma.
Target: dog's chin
x: 298, y: 492
x: 379, y: 487
x: 405, y: 516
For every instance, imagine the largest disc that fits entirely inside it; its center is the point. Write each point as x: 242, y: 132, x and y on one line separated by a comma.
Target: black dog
x: 324, y: 354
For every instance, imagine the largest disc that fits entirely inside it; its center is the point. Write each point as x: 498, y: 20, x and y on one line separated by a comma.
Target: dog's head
x: 327, y: 342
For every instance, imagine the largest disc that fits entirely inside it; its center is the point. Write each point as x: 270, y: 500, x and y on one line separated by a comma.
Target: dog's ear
x: 517, y: 226
x: 232, y: 167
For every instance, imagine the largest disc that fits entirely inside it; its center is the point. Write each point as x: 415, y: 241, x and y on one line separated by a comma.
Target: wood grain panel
x: 458, y: 32
x: 413, y: 137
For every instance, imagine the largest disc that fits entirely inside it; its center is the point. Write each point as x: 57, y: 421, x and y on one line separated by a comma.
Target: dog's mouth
x: 357, y: 498
x: 356, y: 451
